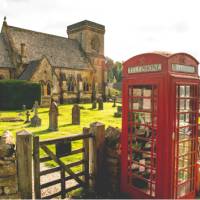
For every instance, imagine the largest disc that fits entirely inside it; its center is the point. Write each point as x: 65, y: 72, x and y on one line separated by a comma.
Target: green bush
x: 15, y: 93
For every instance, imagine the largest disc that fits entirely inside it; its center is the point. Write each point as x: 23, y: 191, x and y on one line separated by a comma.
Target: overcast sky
x: 132, y: 26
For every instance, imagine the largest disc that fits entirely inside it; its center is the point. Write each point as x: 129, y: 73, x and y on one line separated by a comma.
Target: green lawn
x: 64, y: 122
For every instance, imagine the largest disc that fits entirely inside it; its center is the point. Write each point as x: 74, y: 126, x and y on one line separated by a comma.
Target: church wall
x: 44, y: 75
x: 85, y: 38
x: 4, y: 73
x: 71, y: 96
x: 43, y: 72
x: 91, y: 39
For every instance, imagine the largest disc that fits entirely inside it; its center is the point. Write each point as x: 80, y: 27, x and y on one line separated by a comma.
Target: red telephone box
x: 159, y: 126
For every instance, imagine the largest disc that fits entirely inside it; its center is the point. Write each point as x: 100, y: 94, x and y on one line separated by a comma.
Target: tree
x: 114, y: 70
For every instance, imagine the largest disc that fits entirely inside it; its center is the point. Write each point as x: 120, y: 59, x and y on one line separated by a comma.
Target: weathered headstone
x: 114, y: 101
x: 119, y: 112
x: 27, y: 116
x: 94, y: 104
x: 35, y: 108
x: 53, y: 116
x: 119, y: 109
x: 35, y: 121
x: 100, y: 103
x: 76, y: 114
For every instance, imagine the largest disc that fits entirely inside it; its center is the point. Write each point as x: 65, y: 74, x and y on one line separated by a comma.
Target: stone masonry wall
x: 112, y: 160
x: 8, y: 168
x: 4, y: 72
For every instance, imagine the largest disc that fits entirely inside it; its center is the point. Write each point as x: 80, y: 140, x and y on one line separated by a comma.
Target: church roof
x: 29, y: 70
x: 4, y: 56
x: 60, y: 51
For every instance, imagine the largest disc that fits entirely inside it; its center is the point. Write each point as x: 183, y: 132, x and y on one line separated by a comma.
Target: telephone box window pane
x: 185, y: 161
x: 185, y: 144
x: 182, y: 91
x: 187, y: 105
x: 142, y: 118
x: 184, y: 189
x: 187, y: 91
x: 142, y: 107
x: 146, y: 104
x: 185, y: 147
x: 184, y: 175
x: 187, y: 119
x: 137, y: 92
x: 144, y: 91
x: 182, y: 104
x: 147, y: 92
x: 185, y: 133
x: 137, y: 104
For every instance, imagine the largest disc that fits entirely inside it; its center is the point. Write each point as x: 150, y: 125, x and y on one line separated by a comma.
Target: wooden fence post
x: 24, y: 163
x: 86, y: 157
x: 96, y: 154
x: 36, y: 162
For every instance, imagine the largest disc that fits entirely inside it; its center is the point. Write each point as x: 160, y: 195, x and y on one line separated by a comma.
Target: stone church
x: 69, y: 68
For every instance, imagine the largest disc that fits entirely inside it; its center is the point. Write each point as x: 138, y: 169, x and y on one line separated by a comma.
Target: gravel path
x: 51, y: 177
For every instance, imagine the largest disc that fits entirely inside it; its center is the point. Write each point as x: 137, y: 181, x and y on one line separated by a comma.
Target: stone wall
x: 4, y: 73
x: 8, y: 168
x: 112, y: 160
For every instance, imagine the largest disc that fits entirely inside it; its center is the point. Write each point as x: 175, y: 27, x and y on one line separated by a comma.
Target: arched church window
x: 71, y: 84
x: 48, y: 88
x: 2, y: 77
x: 42, y: 88
x: 85, y: 85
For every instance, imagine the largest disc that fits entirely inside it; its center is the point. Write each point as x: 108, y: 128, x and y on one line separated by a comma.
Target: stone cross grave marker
x: 76, y: 114
x: 53, y: 116
x: 27, y: 116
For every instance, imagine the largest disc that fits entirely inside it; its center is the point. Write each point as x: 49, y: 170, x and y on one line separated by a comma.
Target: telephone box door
x: 185, y: 139
x: 140, y: 166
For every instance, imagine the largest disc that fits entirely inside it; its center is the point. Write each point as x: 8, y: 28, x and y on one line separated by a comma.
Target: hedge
x: 15, y: 93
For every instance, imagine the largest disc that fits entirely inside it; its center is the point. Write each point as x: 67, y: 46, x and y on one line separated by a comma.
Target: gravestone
x: 94, y: 104
x: 100, y: 103
x: 27, y: 116
x: 53, y: 116
x: 114, y: 101
x: 119, y: 112
x: 76, y: 114
x: 119, y: 109
x: 35, y: 121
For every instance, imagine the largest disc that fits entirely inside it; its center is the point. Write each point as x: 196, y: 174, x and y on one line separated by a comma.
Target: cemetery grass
x: 88, y: 116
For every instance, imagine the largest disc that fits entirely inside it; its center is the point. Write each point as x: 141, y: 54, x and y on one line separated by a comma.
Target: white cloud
x: 132, y: 26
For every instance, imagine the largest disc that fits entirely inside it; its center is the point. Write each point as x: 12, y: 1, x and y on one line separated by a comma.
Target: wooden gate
x: 66, y: 173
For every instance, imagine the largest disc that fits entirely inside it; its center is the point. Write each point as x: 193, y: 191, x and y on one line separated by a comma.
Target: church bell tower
x: 90, y: 35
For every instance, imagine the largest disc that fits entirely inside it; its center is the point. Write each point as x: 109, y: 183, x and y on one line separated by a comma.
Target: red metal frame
x: 157, y: 89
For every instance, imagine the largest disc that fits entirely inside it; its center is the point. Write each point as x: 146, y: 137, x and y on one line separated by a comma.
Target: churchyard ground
x: 88, y: 116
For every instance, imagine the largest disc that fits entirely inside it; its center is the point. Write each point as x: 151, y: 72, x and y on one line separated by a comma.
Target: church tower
x: 90, y: 35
